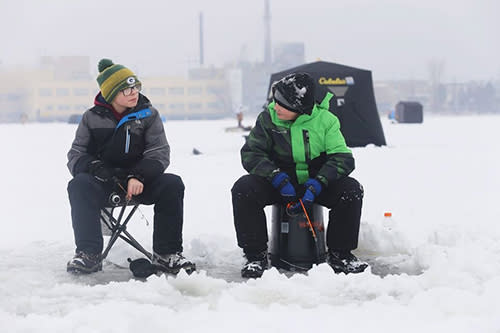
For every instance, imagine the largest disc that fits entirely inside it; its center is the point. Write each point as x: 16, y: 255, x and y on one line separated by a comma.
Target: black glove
x: 282, y: 183
x: 100, y: 171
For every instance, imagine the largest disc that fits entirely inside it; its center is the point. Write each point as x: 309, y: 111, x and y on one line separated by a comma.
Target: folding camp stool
x: 117, y: 226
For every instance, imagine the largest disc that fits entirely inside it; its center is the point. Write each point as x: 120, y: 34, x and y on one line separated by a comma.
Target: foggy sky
x: 395, y: 39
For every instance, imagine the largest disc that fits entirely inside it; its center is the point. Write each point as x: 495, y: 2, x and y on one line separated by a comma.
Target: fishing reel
x: 115, y: 199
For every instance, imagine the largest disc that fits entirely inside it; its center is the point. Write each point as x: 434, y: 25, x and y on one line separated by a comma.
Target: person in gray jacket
x: 120, y: 142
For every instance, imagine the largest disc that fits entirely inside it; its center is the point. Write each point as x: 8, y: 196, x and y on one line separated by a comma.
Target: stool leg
x: 134, y: 243
x: 118, y: 228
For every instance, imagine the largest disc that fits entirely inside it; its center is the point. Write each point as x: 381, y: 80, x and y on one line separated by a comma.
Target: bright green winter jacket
x: 311, y: 146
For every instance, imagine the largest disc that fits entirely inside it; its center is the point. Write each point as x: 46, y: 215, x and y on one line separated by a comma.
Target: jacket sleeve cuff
x: 136, y: 176
x: 273, y: 173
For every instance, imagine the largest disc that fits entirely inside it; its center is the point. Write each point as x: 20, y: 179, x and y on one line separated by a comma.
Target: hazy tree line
x: 470, y: 97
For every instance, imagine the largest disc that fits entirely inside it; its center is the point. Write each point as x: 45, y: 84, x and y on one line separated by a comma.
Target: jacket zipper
x: 307, y: 147
x: 127, y: 139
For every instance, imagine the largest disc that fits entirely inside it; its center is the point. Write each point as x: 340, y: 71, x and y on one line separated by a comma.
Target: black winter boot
x: 84, y: 263
x: 345, y: 262
x: 173, y: 263
x: 255, y: 266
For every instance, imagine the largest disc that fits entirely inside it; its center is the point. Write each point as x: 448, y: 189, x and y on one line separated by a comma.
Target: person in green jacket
x: 296, y: 150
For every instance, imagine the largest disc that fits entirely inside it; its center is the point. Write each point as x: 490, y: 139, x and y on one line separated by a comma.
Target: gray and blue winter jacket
x: 136, y: 144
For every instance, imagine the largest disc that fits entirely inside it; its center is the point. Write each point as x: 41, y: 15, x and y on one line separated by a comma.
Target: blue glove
x: 282, y: 183
x: 313, y: 189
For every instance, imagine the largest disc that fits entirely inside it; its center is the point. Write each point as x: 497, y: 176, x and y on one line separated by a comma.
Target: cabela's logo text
x: 336, y: 82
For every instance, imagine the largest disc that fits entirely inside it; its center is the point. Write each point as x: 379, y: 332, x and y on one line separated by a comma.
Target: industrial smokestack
x: 201, y: 39
x: 267, y: 37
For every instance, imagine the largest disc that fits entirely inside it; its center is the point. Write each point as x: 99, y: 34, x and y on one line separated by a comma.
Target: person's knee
x: 79, y: 182
x: 352, y: 190
x: 176, y: 182
x: 243, y: 186
x: 172, y: 183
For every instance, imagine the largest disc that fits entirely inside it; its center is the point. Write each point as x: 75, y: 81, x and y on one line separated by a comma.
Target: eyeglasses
x: 130, y: 90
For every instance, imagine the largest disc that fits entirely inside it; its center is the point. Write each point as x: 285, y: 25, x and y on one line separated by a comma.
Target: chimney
x: 267, y: 36
x: 201, y: 39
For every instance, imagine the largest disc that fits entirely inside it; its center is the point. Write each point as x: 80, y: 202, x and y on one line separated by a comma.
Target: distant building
x: 67, y: 67
x: 389, y: 93
x: 288, y: 55
x: 180, y: 98
x: 18, y: 93
x: 450, y: 98
x: 62, y: 87
x: 255, y: 81
x: 255, y: 76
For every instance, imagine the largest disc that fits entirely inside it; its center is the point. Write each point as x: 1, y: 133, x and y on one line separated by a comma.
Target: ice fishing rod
x: 313, y: 232
x: 127, y: 201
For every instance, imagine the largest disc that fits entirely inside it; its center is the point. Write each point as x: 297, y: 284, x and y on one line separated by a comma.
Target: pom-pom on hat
x: 113, y: 77
x: 295, y: 92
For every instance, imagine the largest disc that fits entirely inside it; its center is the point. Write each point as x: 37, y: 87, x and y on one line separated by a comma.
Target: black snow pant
x: 88, y: 196
x: 252, y: 193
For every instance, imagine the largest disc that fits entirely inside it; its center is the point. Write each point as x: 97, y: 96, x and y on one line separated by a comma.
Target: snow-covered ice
x: 435, y: 264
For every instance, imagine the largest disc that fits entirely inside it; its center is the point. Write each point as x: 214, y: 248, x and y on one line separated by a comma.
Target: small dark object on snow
x: 409, y: 112
x: 142, y: 267
x: 196, y: 152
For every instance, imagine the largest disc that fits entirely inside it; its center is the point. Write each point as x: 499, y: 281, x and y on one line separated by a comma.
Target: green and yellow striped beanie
x: 113, y: 77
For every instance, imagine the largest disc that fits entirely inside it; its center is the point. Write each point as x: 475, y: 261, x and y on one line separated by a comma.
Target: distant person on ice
x: 296, y: 150
x: 122, y: 139
x: 239, y: 117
